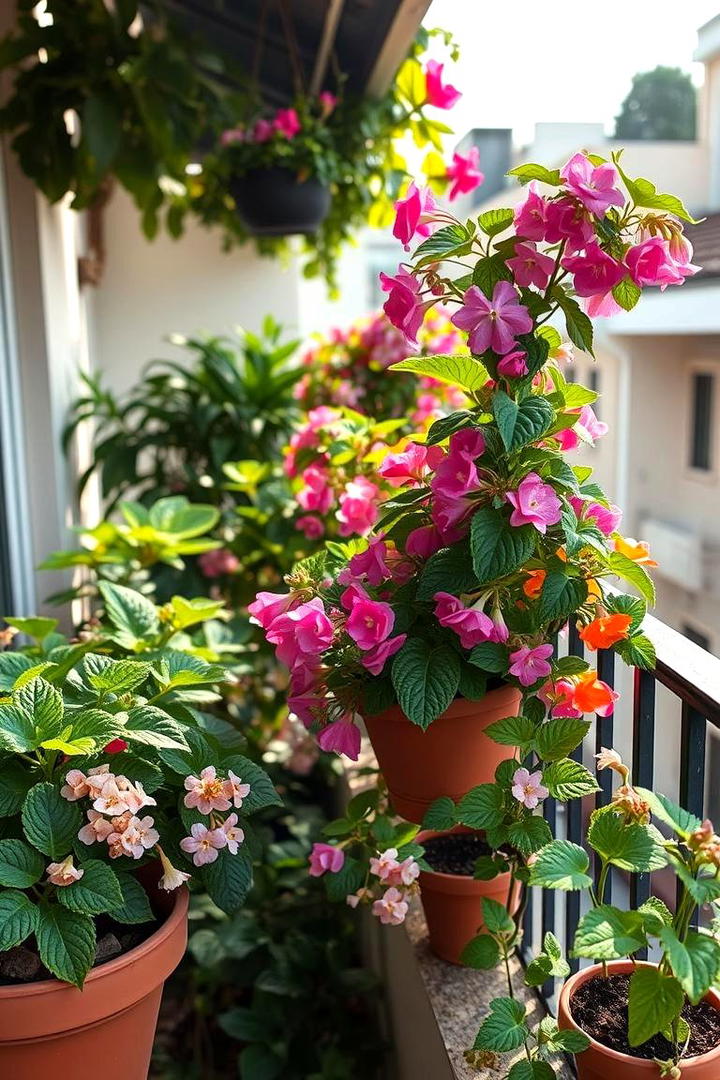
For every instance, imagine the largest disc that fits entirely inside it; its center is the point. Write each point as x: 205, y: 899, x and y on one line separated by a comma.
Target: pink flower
x: 590, y: 426
x: 358, y: 507
x: 371, y: 564
x: 64, y: 873
x: 607, y: 518
x: 594, y: 185
x: 650, y: 263
x: 342, y: 737
x: 513, y: 365
x: 527, y: 788
x: 407, y: 872
x: 528, y: 665
x: 385, y: 864
x: 423, y: 542
x: 75, y: 786
x: 493, y: 324
x: 530, y: 216
x: 408, y: 468
x: 681, y: 251
x: 464, y: 173
x: 235, y: 790
x: 215, y: 563
x: 267, y: 606
x: 262, y: 132
x: 286, y: 122
x: 111, y: 800
x: 137, y: 837
x: 172, y: 878
x: 301, y: 634
x: 206, y: 792
x: 413, y: 215
x: 530, y: 266
x: 203, y: 843
x: 327, y: 101
x: 404, y: 307
x: 134, y: 795
x: 232, y: 136
x: 470, y: 624
x: 594, y: 271
x: 311, y: 526
x: 391, y: 908
x: 317, y: 493
x: 457, y: 475
x: 97, y: 830
x: 602, y: 305
x: 568, y: 220
x: 535, y: 503
x: 376, y: 658
x: 441, y: 95
x: 370, y: 622
x: 233, y: 834
x: 324, y: 858
x: 500, y: 631
x: 558, y: 698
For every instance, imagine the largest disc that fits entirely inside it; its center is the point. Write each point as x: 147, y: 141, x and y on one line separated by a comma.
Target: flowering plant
x: 105, y: 764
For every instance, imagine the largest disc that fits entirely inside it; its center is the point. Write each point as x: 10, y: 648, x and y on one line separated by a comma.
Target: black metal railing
x: 662, y: 726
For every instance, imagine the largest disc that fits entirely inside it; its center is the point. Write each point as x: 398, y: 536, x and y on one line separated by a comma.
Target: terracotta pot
x: 599, y: 1062
x: 452, y: 756
x: 453, y: 904
x: 273, y: 202
x: 51, y: 1029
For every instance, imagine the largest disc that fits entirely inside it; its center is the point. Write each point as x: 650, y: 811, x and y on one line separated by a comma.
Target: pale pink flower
x: 535, y: 503
x: 325, y: 858
x: 385, y: 864
x: 97, y: 829
x: 596, y: 186
x: 353, y: 899
x: 391, y: 908
x: 207, y: 792
x: 441, y: 95
x: 404, y: 874
x: 528, y: 665
x: 75, y: 787
x: 327, y: 101
x: 111, y: 800
x: 493, y: 324
x: 64, y: 873
x: 527, y: 788
x: 530, y: 266
x: 172, y: 878
x: 464, y: 173
x: 235, y: 789
x: 233, y: 832
x: 134, y: 795
x: 232, y: 136
x: 138, y: 836
x: 203, y: 843
x: 341, y: 737
x: 218, y: 562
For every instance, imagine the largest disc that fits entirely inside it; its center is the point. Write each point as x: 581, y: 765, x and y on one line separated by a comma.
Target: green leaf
x: 258, y: 1062
x: 18, y: 918
x: 448, y: 570
x: 531, y: 171
x: 561, y: 865
x: 345, y: 881
x: 444, y: 241
x: 606, y: 933
x: 498, y: 548
x: 37, y: 627
x: 505, y: 1027
x: 530, y: 834
x: 51, y: 823
x: 628, y: 846
x: 550, y: 963
x: 135, y: 906
x: 15, y: 781
x: 560, y: 736
x: 631, y: 571
x: 150, y: 726
x: 521, y: 424
x: 488, y: 272
x: 102, y: 128
x: 465, y: 372
x: 443, y: 428
x: 496, y: 918
x: 695, y: 962
x: 482, y: 807
x: 117, y: 676
x: 133, y: 616
x: 493, y: 222
x: 96, y: 892
x: 66, y: 942
x: 34, y: 715
x: 654, y: 1001
x: 531, y: 1070
x: 182, y: 519
x: 637, y: 651
x: 481, y: 953
x: 655, y: 914
x: 644, y: 193
x: 426, y: 680
x: 490, y: 656
x: 505, y: 411
x: 440, y: 815
x: 512, y: 731
x: 12, y: 666
x: 682, y: 821
x: 20, y: 866
x: 228, y: 880
x: 190, y: 612
x: 473, y: 683
x: 626, y: 293
x: 567, y: 1041
x: 579, y: 326
x: 704, y: 889
x: 568, y: 779
x: 561, y: 596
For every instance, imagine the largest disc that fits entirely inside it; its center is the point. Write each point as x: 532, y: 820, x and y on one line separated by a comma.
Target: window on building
x: 701, y: 420
x: 693, y: 634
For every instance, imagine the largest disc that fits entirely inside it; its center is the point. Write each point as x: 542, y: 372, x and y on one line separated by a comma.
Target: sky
x: 528, y: 61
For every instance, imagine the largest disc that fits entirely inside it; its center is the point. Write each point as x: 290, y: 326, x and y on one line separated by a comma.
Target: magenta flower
x: 413, y: 215
x: 535, y: 503
x: 441, y: 95
x: 528, y: 665
x: 370, y: 564
x: 262, y: 132
x: 324, y: 858
x: 216, y: 563
x: 203, y: 844
x: 404, y: 306
x: 652, y: 263
x: 391, y: 908
x: 311, y: 526
x: 594, y: 185
x: 327, y: 101
x: 601, y: 306
x: 527, y: 788
x: 342, y: 737
x: 681, y: 251
x: 375, y: 659
x: 464, y: 173
x: 589, y: 425
x: 513, y: 365
x: 370, y: 622
x: 558, y: 697
x: 267, y: 606
x: 423, y: 542
x: 302, y: 634
x: 500, y: 632
x: 287, y: 123
x: 316, y: 494
x: 457, y: 475
x: 595, y: 271
x: 607, y: 518
x: 409, y: 467
x: 568, y: 220
x: 358, y: 507
x: 470, y: 624
x: 530, y: 266
x: 530, y: 216
x: 493, y: 324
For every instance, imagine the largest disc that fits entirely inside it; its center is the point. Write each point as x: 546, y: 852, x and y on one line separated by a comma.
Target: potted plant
x: 116, y: 790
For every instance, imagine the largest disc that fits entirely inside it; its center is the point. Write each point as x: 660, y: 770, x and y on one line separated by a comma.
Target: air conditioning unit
x: 677, y: 551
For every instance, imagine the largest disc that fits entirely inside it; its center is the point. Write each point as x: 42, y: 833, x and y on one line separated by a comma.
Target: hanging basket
x: 273, y: 202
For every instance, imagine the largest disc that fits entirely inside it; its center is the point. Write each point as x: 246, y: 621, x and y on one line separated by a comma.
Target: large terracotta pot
x: 599, y: 1062
x: 452, y: 756
x: 453, y: 904
x: 273, y: 202
x: 51, y: 1029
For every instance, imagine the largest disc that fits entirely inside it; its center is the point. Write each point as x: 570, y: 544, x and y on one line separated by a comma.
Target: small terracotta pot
x: 452, y: 756
x: 599, y: 1062
x: 51, y: 1029
x: 453, y: 903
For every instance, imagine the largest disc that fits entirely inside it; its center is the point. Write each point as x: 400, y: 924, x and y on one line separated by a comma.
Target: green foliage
x: 660, y: 105
x: 425, y: 680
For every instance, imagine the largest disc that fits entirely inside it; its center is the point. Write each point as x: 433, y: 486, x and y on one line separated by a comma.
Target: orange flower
x: 561, y: 554
x: 593, y: 695
x: 603, y: 632
x: 637, y: 550
x: 533, y: 584
x: 594, y: 590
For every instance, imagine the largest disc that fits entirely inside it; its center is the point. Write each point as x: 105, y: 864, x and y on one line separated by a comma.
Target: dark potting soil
x: 455, y: 853
x: 23, y: 964
x: 599, y: 1007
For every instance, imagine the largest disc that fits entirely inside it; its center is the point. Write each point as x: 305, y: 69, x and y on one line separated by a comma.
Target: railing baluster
x: 574, y: 825
x: 643, y: 763
x: 693, y: 734
x: 604, y: 737
x: 549, y: 896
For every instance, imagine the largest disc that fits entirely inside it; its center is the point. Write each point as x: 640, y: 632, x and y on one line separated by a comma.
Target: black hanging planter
x: 273, y: 202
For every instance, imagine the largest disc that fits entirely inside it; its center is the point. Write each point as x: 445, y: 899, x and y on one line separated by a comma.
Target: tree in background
x: 660, y: 105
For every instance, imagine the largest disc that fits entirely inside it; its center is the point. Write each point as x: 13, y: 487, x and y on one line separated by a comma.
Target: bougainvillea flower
x: 527, y: 788
x: 404, y: 306
x: 408, y: 468
x: 172, y: 878
x: 287, y: 123
x: 530, y: 216
x: 464, y: 173
x: 568, y: 221
x: 535, y: 503
x: 206, y: 792
x: 234, y: 834
x: 302, y: 633
x: 528, y: 665
x: 358, y: 507
x: 203, y: 843
x: 441, y: 95
x: 370, y: 622
x: 375, y: 659
x: 532, y: 586
x: 341, y: 737
x: 97, y: 829
x: 593, y: 695
x: 413, y: 215
x: 530, y: 266
x: 594, y: 271
x: 391, y: 908
x: 513, y: 365
x: 493, y: 324
x: 605, y: 631
x: 325, y: 859
x: 64, y: 873
x: 637, y: 550
x: 470, y: 624
x: 596, y: 186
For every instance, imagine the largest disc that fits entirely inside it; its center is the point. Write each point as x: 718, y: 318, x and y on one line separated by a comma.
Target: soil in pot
x: 600, y: 1007
x: 455, y: 853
